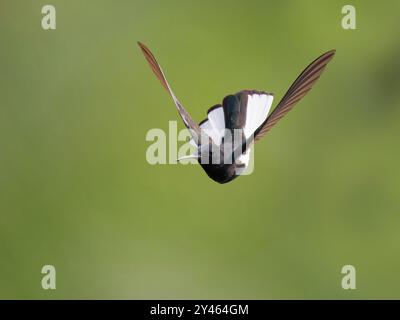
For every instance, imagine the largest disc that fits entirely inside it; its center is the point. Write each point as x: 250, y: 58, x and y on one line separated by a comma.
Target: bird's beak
x: 192, y: 156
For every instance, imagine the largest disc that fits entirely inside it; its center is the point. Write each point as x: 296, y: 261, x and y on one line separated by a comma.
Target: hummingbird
x: 224, y: 139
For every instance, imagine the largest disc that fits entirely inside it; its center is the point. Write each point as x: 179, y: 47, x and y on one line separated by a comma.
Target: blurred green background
x: 76, y: 191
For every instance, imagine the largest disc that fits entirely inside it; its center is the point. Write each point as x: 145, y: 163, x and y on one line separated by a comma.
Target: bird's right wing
x: 304, y: 82
x: 187, y: 119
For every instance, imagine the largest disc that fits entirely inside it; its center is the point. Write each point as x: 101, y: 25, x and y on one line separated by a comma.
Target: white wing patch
x: 257, y: 109
x: 258, y: 106
x: 214, y: 126
x: 207, y: 127
x: 216, y: 118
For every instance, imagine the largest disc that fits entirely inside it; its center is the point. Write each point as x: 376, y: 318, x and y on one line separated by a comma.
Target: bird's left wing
x: 187, y: 119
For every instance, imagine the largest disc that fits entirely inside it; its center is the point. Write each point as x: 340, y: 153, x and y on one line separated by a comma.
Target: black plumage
x: 231, y: 128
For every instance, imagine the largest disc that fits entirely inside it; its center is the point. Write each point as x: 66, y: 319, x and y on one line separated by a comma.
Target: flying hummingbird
x: 223, y: 140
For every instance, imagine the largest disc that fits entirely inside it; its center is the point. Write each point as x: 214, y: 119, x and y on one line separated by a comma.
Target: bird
x: 224, y: 139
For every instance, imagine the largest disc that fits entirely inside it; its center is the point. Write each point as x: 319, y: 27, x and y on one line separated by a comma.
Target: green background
x: 76, y: 191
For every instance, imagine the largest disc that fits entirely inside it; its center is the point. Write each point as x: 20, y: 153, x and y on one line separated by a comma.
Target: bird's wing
x: 187, y: 119
x: 304, y: 82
